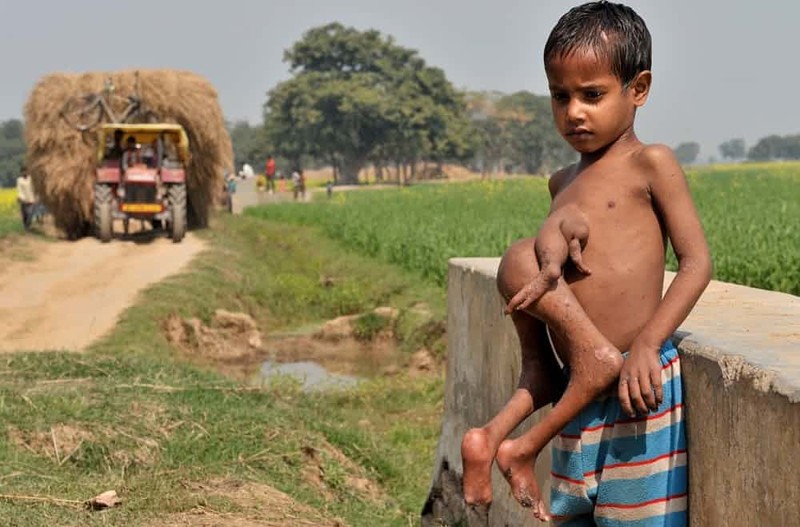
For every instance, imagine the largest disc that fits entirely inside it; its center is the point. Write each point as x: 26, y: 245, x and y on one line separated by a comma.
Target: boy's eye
x: 593, y: 95
x: 560, y: 97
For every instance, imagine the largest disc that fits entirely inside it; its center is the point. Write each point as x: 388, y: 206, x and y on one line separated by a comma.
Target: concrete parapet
x: 741, y: 367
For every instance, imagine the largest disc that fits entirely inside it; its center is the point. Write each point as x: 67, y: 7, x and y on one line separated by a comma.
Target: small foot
x: 517, y: 468
x: 477, y: 455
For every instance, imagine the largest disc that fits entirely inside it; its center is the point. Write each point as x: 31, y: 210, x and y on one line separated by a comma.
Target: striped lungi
x: 613, y: 470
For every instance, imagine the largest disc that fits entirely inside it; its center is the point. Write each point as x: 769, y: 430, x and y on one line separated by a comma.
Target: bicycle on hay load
x: 84, y: 112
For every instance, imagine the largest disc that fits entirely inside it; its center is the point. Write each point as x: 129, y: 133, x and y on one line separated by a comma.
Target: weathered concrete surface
x: 741, y: 365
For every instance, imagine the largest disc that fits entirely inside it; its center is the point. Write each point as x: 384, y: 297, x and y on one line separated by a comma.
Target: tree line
x: 357, y: 99
x: 12, y: 151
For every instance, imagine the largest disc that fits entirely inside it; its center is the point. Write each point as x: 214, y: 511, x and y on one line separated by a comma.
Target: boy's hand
x: 640, y: 387
x: 576, y: 256
x: 529, y: 294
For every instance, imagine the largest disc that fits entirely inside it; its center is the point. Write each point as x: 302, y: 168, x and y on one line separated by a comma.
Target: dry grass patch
x: 266, y: 507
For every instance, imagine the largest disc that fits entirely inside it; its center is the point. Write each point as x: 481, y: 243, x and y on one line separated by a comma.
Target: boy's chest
x: 603, y: 193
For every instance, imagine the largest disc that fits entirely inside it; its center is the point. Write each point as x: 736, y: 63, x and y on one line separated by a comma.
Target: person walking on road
x: 270, y: 173
x: 25, y: 197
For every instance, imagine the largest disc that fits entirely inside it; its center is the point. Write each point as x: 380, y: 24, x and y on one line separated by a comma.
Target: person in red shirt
x: 270, y: 173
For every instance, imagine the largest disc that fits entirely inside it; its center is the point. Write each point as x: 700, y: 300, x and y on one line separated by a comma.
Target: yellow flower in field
x: 8, y: 199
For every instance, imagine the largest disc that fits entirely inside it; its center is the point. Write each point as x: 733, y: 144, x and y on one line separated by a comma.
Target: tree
x: 516, y: 130
x: 12, y: 151
x: 733, y: 149
x: 357, y: 97
x: 770, y: 147
x: 250, y: 144
x: 687, y: 152
x: 775, y: 147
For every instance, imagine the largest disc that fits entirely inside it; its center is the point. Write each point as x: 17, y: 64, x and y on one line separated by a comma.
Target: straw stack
x: 62, y: 160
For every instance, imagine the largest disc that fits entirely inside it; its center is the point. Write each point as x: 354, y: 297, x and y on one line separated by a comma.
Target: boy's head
x: 597, y: 60
x: 612, y: 32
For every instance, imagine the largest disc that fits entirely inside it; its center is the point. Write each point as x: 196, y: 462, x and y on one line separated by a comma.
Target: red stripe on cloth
x: 670, y: 363
x: 636, y: 463
x: 626, y: 421
x: 649, y: 417
x: 639, y: 505
x: 565, y: 478
x: 570, y: 436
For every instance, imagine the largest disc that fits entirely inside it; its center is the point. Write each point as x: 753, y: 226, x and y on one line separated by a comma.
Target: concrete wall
x: 741, y: 366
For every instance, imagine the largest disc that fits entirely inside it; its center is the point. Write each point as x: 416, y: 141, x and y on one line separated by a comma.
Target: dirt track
x: 73, y: 292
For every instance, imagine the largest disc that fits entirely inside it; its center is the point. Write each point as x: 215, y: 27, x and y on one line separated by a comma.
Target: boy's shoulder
x: 557, y: 179
x: 654, y: 156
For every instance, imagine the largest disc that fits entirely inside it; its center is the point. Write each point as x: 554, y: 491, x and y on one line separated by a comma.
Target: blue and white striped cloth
x: 613, y: 470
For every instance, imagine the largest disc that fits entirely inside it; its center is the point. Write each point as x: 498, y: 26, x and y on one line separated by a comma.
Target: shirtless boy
x: 617, y: 460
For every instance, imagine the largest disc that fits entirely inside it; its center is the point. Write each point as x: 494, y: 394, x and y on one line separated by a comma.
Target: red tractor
x: 141, y: 174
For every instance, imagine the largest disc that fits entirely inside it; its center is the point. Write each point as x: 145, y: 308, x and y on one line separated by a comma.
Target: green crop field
x: 750, y: 213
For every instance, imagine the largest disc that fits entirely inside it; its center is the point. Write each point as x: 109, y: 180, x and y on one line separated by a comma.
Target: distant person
x: 116, y: 150
x: 25, y: 197
x: 131, y: 156
x: 329, y: 189
x: 230, y: 189
x: 298, y: 184
x: 247, y: 171
x: 617, y: 421
x: 281, y: 177
x: 269, y: 172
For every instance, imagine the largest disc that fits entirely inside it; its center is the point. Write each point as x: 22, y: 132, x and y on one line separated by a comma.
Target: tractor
x: 141, y: 174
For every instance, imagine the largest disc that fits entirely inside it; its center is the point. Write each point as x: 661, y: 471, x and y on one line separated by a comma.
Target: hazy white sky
x: 721, y: 69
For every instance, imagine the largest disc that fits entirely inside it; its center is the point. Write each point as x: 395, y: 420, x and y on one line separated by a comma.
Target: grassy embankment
x: 132, y: 415
x: 750, y: 213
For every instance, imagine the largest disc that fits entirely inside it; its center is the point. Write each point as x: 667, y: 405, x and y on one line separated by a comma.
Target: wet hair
x: 613, y: 32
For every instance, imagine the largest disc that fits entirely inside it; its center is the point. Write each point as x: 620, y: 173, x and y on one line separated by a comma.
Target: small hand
x: 640, y: 387
x: 576, y: 256
x: 529, y: 294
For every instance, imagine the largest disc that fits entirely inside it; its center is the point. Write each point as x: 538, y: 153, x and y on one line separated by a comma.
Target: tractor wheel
x: 177, y: 211
x: 102, y: 212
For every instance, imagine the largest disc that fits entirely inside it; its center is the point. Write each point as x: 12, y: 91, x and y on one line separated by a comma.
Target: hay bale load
x: 62, y: 160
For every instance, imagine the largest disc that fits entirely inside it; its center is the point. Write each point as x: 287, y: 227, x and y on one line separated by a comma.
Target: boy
x: 613, y: 462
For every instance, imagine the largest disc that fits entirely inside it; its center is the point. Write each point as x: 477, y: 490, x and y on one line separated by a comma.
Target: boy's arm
x: 640, y: 378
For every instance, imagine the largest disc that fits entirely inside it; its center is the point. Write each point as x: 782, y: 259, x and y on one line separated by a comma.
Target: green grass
x: 750, y: 213
x: 151, y: 422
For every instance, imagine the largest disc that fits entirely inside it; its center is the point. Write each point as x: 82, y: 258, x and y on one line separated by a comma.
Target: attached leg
x: 539, y: 385
x: 593, y: 361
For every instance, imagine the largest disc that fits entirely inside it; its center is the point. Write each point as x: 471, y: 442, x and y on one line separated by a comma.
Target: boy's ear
x: 640, y: 87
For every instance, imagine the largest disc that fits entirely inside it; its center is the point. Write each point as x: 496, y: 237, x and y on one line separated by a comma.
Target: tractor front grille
x: 140, y: 193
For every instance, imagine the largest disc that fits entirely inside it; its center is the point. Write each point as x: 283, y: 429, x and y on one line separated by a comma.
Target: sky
x: 721, y: 69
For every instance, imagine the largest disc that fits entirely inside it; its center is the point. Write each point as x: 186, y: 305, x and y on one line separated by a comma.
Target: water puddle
x: 311, y: 375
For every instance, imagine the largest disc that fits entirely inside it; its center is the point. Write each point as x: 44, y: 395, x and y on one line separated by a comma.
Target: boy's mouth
x: 579, y: 133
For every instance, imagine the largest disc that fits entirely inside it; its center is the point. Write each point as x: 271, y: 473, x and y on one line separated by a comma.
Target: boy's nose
x: 575, y: 111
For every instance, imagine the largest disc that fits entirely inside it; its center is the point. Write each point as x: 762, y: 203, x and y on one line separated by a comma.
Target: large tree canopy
x: 516, y: 132
x: 356, y: 96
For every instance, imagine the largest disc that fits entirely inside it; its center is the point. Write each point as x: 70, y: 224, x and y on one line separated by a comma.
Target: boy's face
x: 590, y: 106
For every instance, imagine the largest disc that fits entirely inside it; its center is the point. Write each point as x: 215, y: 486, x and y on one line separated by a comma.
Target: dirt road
x: 71, y: 293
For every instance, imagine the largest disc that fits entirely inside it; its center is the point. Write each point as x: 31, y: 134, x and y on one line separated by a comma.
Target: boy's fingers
x: 577, y: 258
x: 623, y: 392
x: 515, y: 301
x: 636, y: 395
x: 648, y: 394
x: 658, y: 390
